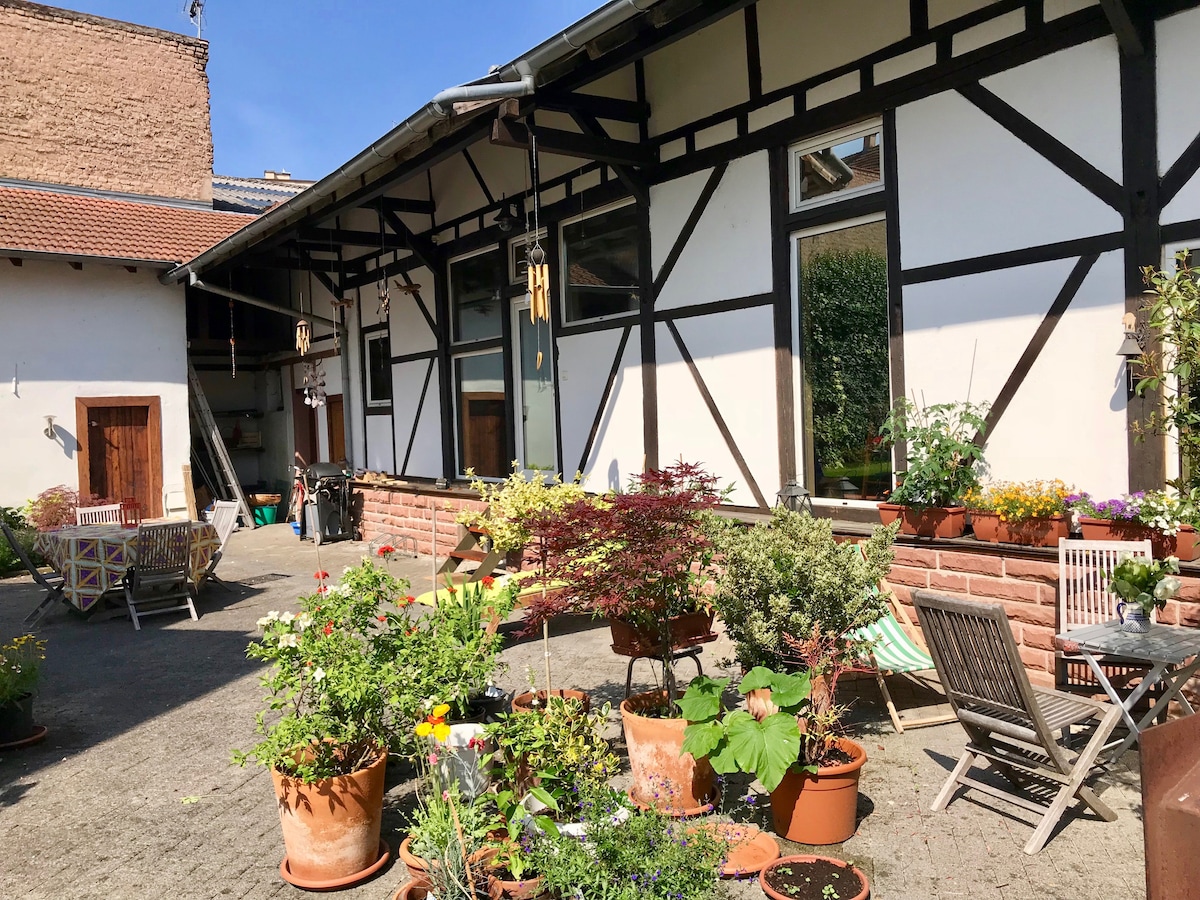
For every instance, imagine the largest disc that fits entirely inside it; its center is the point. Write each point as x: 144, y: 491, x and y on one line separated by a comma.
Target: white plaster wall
x: 409, y: 332
x: 1178, y: 115
x: 735, y: 354
x: 729, y: 253
x: 800, y: 40
x: 1049, y: 90
x: 426, y: 458
x: 379, y: 444
x: 1068, y: 418
x: 941, y: 11
x: 99, y: 331
x: 583, y: 365
x: 969, y: 188
x: 699, y: 75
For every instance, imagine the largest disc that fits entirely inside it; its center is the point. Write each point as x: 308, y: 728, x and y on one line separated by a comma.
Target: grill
x: 327, y: 507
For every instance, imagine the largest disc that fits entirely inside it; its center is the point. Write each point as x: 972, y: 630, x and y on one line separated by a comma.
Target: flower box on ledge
x: 926, y: 521
x: 1181, y: 545
x: 1039, y: 531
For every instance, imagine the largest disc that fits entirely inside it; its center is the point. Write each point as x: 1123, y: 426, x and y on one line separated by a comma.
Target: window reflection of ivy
x: 846, y: 355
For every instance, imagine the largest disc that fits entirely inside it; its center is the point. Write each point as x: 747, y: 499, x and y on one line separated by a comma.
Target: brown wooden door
x: 121, y: 452
x: 337, y: 428
x: 304, y: 419
x: 484, y: 434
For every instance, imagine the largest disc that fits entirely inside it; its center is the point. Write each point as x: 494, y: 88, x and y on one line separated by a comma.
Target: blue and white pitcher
x: 1133, y: 618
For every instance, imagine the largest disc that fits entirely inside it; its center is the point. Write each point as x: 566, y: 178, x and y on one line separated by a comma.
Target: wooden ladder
x: 216, y: 444
x: 470, y: 550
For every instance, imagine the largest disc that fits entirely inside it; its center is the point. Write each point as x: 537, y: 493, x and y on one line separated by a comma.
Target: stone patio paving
x: 133, y: 794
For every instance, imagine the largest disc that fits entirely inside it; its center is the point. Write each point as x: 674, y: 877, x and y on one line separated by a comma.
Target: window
x: 480, y: 398
x: 379, y: 370
x: 842, y: 293
x: 600, y: 265
x: 837, y: 166
x: 518, y: 265
x: 476, y: 293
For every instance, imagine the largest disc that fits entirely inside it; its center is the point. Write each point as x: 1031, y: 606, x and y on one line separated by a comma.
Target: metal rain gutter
x: 516, y: 79
x: 195, y: 282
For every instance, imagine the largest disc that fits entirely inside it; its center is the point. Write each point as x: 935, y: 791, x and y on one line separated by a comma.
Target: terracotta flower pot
x: 820, y: 809
x: 663, y: 775
x: 524, y: 702
x: 417, y: 889
x: 926, y: 521
x: 1039, y: 531
x: 798, y: 862
x: 1181, y: 545
x: 750, y: 848
x: 416, y: 865
x: 331, y: 827
x: 16, y: 720
x: 527, y: 889
x: 686, y: 631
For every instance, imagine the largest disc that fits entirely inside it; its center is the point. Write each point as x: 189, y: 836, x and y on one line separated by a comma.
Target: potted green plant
x: 325, y: 731
x: 1165, y: 519
x: 945, y: 452
x: 1033, y: 513
x: 441, y: 815
x: 788, y: 575
x: 643, y: 558
x: 1143, y: 586
x: 20, y: 665
x: 808, y: 877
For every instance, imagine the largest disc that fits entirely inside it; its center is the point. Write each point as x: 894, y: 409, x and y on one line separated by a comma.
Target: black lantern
x: 795, y: 496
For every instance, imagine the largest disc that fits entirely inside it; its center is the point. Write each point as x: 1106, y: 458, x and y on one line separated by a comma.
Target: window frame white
x: 825, y: 141
x: 565, y: 266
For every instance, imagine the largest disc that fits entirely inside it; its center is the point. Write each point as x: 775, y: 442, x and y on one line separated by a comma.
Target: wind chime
x: 303, y: 329
x: 385, y: 299
x: 537, y: 269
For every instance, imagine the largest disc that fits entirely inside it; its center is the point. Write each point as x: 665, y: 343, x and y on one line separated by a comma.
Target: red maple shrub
x: 642, y: 556
x: 55, y: 507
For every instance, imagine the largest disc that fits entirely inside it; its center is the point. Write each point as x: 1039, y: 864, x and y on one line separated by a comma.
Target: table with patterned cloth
x: 93, y: 559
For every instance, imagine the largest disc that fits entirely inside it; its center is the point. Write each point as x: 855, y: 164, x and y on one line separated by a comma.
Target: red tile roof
x: 73, y: 225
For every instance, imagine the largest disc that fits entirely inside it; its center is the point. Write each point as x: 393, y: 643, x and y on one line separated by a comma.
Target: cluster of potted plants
x: 1167, y: 520
x: 20, y: 666
x: 1034, y: 513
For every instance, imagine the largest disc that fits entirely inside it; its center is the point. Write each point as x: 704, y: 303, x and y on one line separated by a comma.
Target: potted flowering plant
x: 1033, y: 513
x: 642, y: 559
x: 1165, y: 519
x: 945, y: 453
x: 1143, y: 585
x: 325, y: 731
x: 20, y: 664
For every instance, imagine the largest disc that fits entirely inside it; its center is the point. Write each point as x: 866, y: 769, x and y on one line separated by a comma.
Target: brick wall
x: 1027, y: 588
x: 103, y: 104
x: 408, y: 514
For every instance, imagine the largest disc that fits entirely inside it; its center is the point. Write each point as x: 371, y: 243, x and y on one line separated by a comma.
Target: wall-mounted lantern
x: 1131, y: 349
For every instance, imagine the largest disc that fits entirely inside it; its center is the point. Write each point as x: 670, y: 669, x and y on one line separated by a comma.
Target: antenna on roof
x: 195, y: 12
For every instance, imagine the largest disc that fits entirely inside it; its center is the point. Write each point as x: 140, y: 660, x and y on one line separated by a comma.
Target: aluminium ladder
x: 216, y: 444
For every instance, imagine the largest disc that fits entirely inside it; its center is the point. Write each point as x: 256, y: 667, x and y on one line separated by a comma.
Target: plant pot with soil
x: 813, y: 878
x: 1030, y: 513
x: 1165, y: 519
x: 536, y: 701
x: 20, y: 667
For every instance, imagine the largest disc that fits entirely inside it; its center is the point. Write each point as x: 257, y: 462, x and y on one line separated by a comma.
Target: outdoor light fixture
x: 1132, y: 348
x: 48, y: 431
x: 506, y: 219
x: 795, y: 497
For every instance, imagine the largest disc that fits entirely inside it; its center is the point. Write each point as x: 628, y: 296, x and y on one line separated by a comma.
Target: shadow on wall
x: 69, y: 443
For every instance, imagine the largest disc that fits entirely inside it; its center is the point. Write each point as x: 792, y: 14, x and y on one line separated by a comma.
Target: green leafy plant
x: 514, y: 503
x: 25, y: 535
x: 789, y: 576
x: 332, y: 681
x: 944, y: 460
x: 1149, y: 583
x: 20, y: 666
x: 737, y: 741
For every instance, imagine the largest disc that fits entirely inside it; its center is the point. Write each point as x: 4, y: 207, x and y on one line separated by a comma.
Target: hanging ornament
x: 385, y: 299
x: 303, y: 336
x: 538, y: 270
x: 232, y: 345
x: 314, y: 385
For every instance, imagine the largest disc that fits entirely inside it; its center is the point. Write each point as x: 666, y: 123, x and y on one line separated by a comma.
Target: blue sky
x: 305, y: 85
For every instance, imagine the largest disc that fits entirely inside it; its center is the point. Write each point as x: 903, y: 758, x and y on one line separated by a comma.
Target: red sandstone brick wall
x: 411, y: 515
x: 96, y: 103
x: 1027, y: 588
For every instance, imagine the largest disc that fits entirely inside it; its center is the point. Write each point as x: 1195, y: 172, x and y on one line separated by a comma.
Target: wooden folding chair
x: 160, y: 574
x: 109, y: 514
x: 898, y: 650
x: 1011, y: 725
x: 224, y: 520
x: 52, y: 583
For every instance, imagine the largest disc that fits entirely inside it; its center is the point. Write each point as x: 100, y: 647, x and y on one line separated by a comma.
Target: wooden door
x: 484, y: 434
x: 121, y: 449
x: 337, y: 427
x: 304, y: 420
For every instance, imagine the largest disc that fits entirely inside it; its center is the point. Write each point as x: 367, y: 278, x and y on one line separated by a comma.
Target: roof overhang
x: 15, y: 253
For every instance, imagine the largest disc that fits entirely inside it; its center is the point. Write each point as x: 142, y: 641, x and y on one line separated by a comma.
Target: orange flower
x: 321, y: 575
x: 386, y: 550
x: 487, y: 581
x: 435, y: 723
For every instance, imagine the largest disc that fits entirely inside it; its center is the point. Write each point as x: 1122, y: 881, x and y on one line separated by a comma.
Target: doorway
x: 533, y: 391
x: 304, y: 421
x: 120, y: 452
x: 334, y: 418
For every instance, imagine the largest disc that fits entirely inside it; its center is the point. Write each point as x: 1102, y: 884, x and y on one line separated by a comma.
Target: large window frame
x: 564, y: 275
x: 830, y: 139
x: 500, y: 287
x: 374, y: 402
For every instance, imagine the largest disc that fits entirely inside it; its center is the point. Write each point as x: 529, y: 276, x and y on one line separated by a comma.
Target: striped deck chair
x: 894, y: 652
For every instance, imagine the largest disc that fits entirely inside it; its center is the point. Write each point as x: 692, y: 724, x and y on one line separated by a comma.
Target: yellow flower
x: 435, y: 723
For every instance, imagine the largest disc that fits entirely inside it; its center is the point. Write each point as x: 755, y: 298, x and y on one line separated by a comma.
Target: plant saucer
x: 39, y: 735
x: 750, y: 848
x: 675, y: 812
x: 385, y: 853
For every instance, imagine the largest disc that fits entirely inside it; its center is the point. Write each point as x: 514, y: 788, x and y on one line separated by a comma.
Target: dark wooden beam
x: 16, y: 261
x: 294, y: 263
x: 1123, y: 27
x: 610, y: 108
x: 604, y: 397
x: 1180, y: 173
x: 753, y: 54
x: 685, y: 233
x: 422, y: 247
x: 322, y: 277
x: 781, y: 289
x: 918, y: 16
x: 591, y: 126
x: 324, y: 238
x: 506, y: 133
x: 75, y: 265
x: 412, y: 436
x: 403, y: 205
x: 479, y: 179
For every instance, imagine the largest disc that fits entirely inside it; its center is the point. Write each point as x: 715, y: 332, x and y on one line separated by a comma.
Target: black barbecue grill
x: 327, y: 503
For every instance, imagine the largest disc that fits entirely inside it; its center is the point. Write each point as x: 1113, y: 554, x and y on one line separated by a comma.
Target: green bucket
x: 265, y: 515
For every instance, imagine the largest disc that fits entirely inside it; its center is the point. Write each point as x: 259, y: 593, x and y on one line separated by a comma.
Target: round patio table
x: 93, y: 559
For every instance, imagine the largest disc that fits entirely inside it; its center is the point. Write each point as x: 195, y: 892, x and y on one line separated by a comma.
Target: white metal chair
x: 224, y: 520
x: 52, y: 583
x: 109, y: 514
x: 160, y: 574
x: 1084, y: 570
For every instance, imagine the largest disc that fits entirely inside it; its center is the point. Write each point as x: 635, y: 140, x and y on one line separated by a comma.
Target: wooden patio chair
x: 160, y: 574
x: 224, y: 520
x: 898, y: 649
x: 1017, y: 729
x: 109, y: 514
x: 51, y: 583
x: 1084, y: 569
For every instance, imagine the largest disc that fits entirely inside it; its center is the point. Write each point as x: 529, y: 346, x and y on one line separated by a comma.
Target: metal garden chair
x: 109, y: 514
x: 1017, y: 729
x: 224, y: 520
x: 160, y: 574
x: 52, y: 583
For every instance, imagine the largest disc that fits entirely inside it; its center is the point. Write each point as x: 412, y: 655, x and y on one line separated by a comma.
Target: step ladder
x: 470, y: 550
x: 216, y: 444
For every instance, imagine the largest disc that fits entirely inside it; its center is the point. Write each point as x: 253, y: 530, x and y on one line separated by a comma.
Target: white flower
x: 318, y: 674
x: 289, y: 640
x: 1167, y: 588
x: 304, y: 620
x: 286, y: 618
x: 265, y: 621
